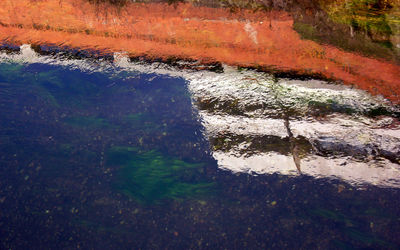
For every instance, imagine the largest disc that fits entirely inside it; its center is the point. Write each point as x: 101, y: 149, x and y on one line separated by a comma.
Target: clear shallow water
x: 101, y: 156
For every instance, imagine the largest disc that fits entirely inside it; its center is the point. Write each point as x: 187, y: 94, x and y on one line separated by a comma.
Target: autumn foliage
x: 157, y: 30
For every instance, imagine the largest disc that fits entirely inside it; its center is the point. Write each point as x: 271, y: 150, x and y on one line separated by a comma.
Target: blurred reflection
x: 95, y: 103
x: 262, y: 125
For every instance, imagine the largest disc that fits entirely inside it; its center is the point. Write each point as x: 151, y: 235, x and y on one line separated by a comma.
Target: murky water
x: 112, y: 154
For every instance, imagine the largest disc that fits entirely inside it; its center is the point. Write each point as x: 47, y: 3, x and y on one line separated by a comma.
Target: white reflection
x: 355, y: 148
x: 381, y: 173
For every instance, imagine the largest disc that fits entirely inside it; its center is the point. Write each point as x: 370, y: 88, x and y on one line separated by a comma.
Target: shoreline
x: 205, y: 36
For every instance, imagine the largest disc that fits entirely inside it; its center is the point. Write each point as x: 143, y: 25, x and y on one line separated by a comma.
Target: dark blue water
x: 117, y: 160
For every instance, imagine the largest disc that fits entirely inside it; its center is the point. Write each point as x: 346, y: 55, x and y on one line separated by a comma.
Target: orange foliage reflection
x: 159, y: 30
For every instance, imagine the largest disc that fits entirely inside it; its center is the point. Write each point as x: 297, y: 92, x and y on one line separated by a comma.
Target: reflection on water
x: 259, y: 125
x: 108, y: 153
x: 122, y: 126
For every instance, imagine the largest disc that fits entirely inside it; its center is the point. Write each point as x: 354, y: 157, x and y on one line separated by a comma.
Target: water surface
x: 115, y: 154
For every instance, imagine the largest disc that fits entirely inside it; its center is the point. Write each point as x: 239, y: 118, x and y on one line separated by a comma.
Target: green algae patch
x: 152, y: 177
x: 17, y: 81
x: 87, y: 122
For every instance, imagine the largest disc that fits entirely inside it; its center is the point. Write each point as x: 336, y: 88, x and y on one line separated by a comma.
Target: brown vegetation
x: 157, y: 30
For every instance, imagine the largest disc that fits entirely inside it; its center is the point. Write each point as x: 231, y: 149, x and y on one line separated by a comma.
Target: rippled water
x: 109, y: 153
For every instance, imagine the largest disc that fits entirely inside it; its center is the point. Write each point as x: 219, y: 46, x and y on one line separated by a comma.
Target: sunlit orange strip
x: 160, y: 31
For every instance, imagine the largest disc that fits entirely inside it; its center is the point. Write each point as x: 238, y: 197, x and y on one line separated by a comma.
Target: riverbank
x: 160, y: 31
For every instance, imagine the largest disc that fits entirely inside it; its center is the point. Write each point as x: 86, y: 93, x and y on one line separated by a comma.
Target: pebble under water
x: 100, y: 155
